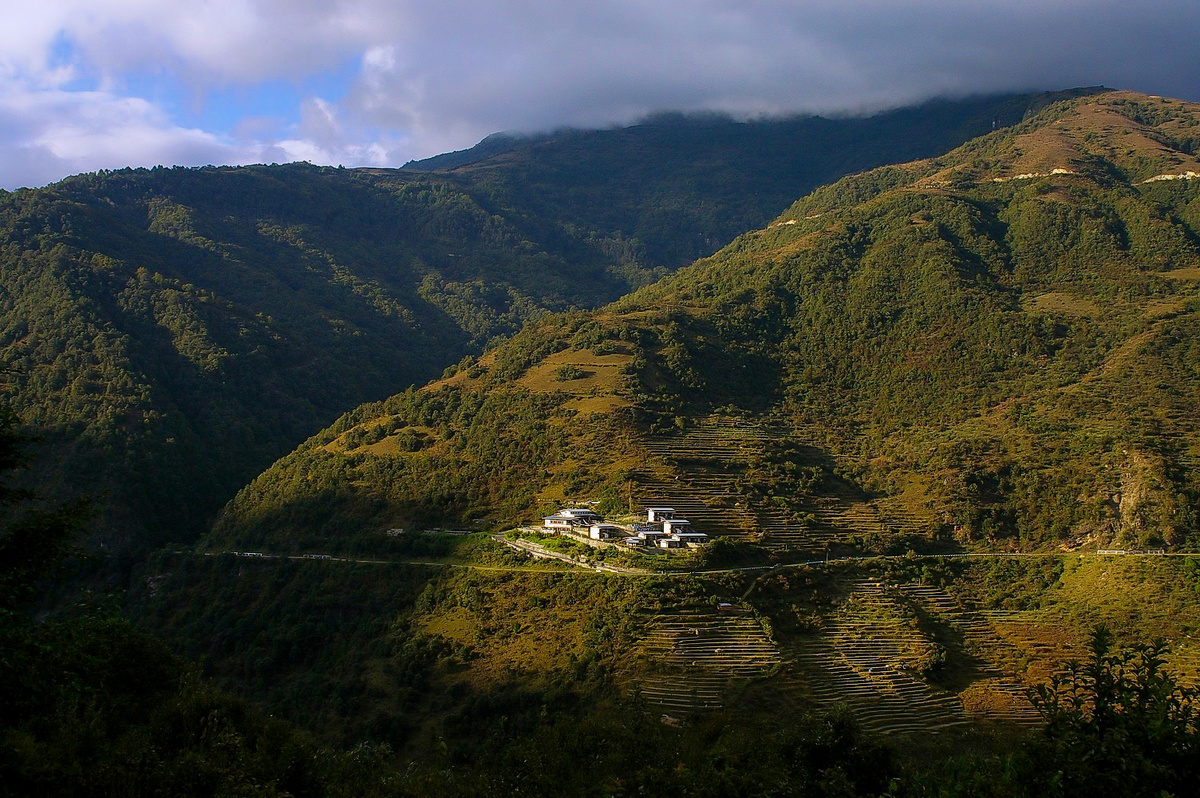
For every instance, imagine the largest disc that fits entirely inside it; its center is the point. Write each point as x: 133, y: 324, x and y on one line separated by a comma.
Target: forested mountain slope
x: 675, y: 188
x: 997, y: 346
x: 171, y: 331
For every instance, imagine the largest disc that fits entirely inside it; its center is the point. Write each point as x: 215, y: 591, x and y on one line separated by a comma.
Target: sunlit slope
x: 173, y: 331
x: 997, y: 346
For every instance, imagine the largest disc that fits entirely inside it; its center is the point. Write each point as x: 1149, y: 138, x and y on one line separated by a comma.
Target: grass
x: 1062, y: 304
x: 601, y: 374
x: 508, y: 635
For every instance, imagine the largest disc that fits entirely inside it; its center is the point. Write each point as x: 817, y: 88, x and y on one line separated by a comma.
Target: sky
x: 103, y: 84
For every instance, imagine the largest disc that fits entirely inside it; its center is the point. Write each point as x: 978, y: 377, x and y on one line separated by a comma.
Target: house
x: 605, y: 532
x: 569, y: 518
x: 671, y: 543
x: 651, y: 535
x: 580, y: 514
x: 659, y: 513
x: 692, y: 538
x: 673, y: 526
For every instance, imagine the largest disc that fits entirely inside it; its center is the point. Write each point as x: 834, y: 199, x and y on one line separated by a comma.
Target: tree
x: 34, y: 536
x: 1117, y: 724
x: 91, y: 706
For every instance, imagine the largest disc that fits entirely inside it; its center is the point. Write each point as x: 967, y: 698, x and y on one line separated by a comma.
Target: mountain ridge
x: 172, y: 331
x: 945, y: 281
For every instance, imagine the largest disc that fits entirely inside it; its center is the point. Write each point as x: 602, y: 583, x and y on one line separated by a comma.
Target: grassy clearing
x: 599, y: 374
x: 1062, y: 304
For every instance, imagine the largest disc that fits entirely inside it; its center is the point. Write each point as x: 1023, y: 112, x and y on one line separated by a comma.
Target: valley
x: 171, y: 332
x: 956, y: 406
x: 932, y: 426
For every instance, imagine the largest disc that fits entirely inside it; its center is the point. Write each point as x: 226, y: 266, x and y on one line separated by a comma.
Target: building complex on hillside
x: 661, y: 529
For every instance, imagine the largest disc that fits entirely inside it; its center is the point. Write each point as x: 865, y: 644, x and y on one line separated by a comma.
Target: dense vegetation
x: 1009, y: 328
x: 91, y: 706
x: 173, y: 331
x: 1117, y: 723
x: 483, y: 683
x: 1001, y: 338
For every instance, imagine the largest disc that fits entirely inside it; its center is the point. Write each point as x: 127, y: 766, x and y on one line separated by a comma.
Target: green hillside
x: 674, y: 188
x: 995, y: 346
x: 173, y: 331
x: 914, y: 407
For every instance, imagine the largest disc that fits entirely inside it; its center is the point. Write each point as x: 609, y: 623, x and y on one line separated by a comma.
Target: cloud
x: 89, y: 85
x: 481, y: 67
x: 49, y: 133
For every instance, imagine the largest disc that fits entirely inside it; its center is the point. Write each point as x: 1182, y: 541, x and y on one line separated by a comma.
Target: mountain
x: 674, y: 187
x: 994, y: 345
x: 939, y: 414
x: 172, y: 331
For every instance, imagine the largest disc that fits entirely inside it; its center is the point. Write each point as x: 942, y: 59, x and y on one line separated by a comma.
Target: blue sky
x: 91, y: 84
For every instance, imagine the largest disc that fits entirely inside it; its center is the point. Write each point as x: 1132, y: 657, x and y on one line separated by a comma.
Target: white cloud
x: 433, y: 76
x: 49, y: 133
x: 213, y: 41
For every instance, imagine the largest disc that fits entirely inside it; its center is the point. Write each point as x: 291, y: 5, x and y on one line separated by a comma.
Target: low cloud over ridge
x: 114, y: 82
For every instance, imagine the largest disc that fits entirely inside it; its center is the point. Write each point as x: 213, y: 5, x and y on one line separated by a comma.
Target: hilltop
x: 173, y: 331
x: 674, y: 187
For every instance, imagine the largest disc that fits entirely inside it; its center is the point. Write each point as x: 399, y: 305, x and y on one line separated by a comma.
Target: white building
x: 673, y: 526
x: 659, y: 514
x: 649, y: 536
x: 569, y: 518
x: 605, y: 532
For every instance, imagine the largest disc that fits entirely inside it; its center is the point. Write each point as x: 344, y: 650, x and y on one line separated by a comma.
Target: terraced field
x: 696, y: 654
x: 705, y: 461
x: 873, y: 651
x: 709, y: 457
x: 1184, y: 658
x: 997, y: 693
x: 866, y: 658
